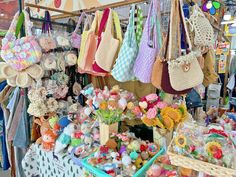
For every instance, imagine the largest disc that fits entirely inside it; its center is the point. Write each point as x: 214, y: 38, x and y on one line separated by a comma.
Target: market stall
x: 133, y: 88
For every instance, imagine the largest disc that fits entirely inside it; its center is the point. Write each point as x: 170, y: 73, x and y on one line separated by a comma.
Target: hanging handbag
x: 149, y: 46
x: 92, y: 43
x: 174, y: 35
x: 185, y: 71
x: 201, y: 27
x: 157, y: 68
x: 104, y: 59
x: 123, y: 68
x: 84, y: 38
x: 23, y: 52
x: 75, y: 37
x: 46, y: 40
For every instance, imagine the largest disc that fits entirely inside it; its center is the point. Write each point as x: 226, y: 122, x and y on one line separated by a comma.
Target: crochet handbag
x: 123, y: 68
x: 104, y: 59
x: 173, y: 34
x: 46, y: 41
x: 87, y: 61
x: 201, y: 27
x: 185, y: 71
x: 149, y: 45
x: 22, y: 52
x: 84, y: 38
x: 75, y: 37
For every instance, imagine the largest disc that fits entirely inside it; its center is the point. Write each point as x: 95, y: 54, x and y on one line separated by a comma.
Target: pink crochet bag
x: 23, y: 52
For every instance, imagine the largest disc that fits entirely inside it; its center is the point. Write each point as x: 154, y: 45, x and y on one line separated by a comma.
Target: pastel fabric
x: 23, y: 52
x: 123, y: 68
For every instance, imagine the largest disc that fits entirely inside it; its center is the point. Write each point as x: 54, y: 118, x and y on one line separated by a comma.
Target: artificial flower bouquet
x: 210, y: 144
x: 109, y: 105
x: 158, y: 113
x: 123, y: 155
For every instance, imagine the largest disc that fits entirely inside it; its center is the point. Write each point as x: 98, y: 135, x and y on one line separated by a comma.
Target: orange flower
x: 103, y: 106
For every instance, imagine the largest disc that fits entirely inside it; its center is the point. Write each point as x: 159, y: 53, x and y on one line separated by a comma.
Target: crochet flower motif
x: 22, y: 78
x: 211, y: 6
x: 52, y: 104
x: 37, y: 109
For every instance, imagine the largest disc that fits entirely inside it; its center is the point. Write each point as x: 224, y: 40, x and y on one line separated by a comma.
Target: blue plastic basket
x: 140, y: 173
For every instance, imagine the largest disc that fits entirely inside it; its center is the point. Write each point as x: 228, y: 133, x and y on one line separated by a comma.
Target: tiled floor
x: 4, y: 173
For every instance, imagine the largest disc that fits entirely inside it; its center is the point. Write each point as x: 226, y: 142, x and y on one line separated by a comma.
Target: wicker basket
x: 197, y: 165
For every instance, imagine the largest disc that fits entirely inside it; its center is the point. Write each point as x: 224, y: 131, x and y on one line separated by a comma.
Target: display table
x: 46, y: 164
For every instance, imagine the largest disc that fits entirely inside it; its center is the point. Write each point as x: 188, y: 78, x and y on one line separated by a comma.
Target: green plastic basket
x: 140, y: 173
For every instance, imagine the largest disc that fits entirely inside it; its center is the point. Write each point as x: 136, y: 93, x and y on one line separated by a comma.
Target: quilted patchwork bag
x: 149, y: 46
x: 123, y: 68
x: 22, y: 52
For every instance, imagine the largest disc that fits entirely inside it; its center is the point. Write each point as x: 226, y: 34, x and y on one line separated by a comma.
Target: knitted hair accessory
x: 52, y: 104
x: 61, y: 78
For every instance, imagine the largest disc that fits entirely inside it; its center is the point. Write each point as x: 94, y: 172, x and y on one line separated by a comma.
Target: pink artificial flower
x: 161, y: 105
x: 151, y: 113
x: 152, y: 97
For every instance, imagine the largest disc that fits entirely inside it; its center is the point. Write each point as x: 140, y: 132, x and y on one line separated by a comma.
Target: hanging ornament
x: 211, y: 6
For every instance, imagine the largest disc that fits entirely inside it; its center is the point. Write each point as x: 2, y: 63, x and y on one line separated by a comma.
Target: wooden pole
x: 65, y: 14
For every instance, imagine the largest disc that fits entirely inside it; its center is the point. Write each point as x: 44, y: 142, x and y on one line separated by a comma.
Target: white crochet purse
x: 185, y: 71
x: 201, y: 28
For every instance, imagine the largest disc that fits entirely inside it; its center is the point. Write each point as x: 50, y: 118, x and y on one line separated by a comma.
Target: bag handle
x: 19, y: 24
x: 106, y: 14
x: 96, y: 21
x: 130, y: 27
x: 47, y: 24
x: 79, y: 22
x: 88, y: 22
x: 118, y: 30
x: 152, y: 38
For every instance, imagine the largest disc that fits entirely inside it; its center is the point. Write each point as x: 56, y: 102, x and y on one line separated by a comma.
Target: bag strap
x: 28, y: 24
x: 185, y: 25
x: 19, y: 24
x: 106, y: 14
x: 152, y: 36
x: 47, y: 24
x: 96, y: 21
x: 88, y: 22
x: 131, y: 25
x: 117, y: 27
x: 79, y: 22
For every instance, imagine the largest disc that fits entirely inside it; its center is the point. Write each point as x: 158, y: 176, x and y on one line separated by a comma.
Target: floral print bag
x: 22, y: 52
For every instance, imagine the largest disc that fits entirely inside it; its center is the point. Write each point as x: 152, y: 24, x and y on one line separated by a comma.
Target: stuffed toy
x: 48, y: 140
x: 87, y: 136
x: 65, y: 138
x: 44, y: 126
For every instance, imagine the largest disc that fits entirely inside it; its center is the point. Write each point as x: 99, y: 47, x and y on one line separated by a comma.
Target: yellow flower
x: 172, y: 113
x: 211, y: 146
x: 168, y: 122
x: 181, y: 141
x: 150, y: 122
